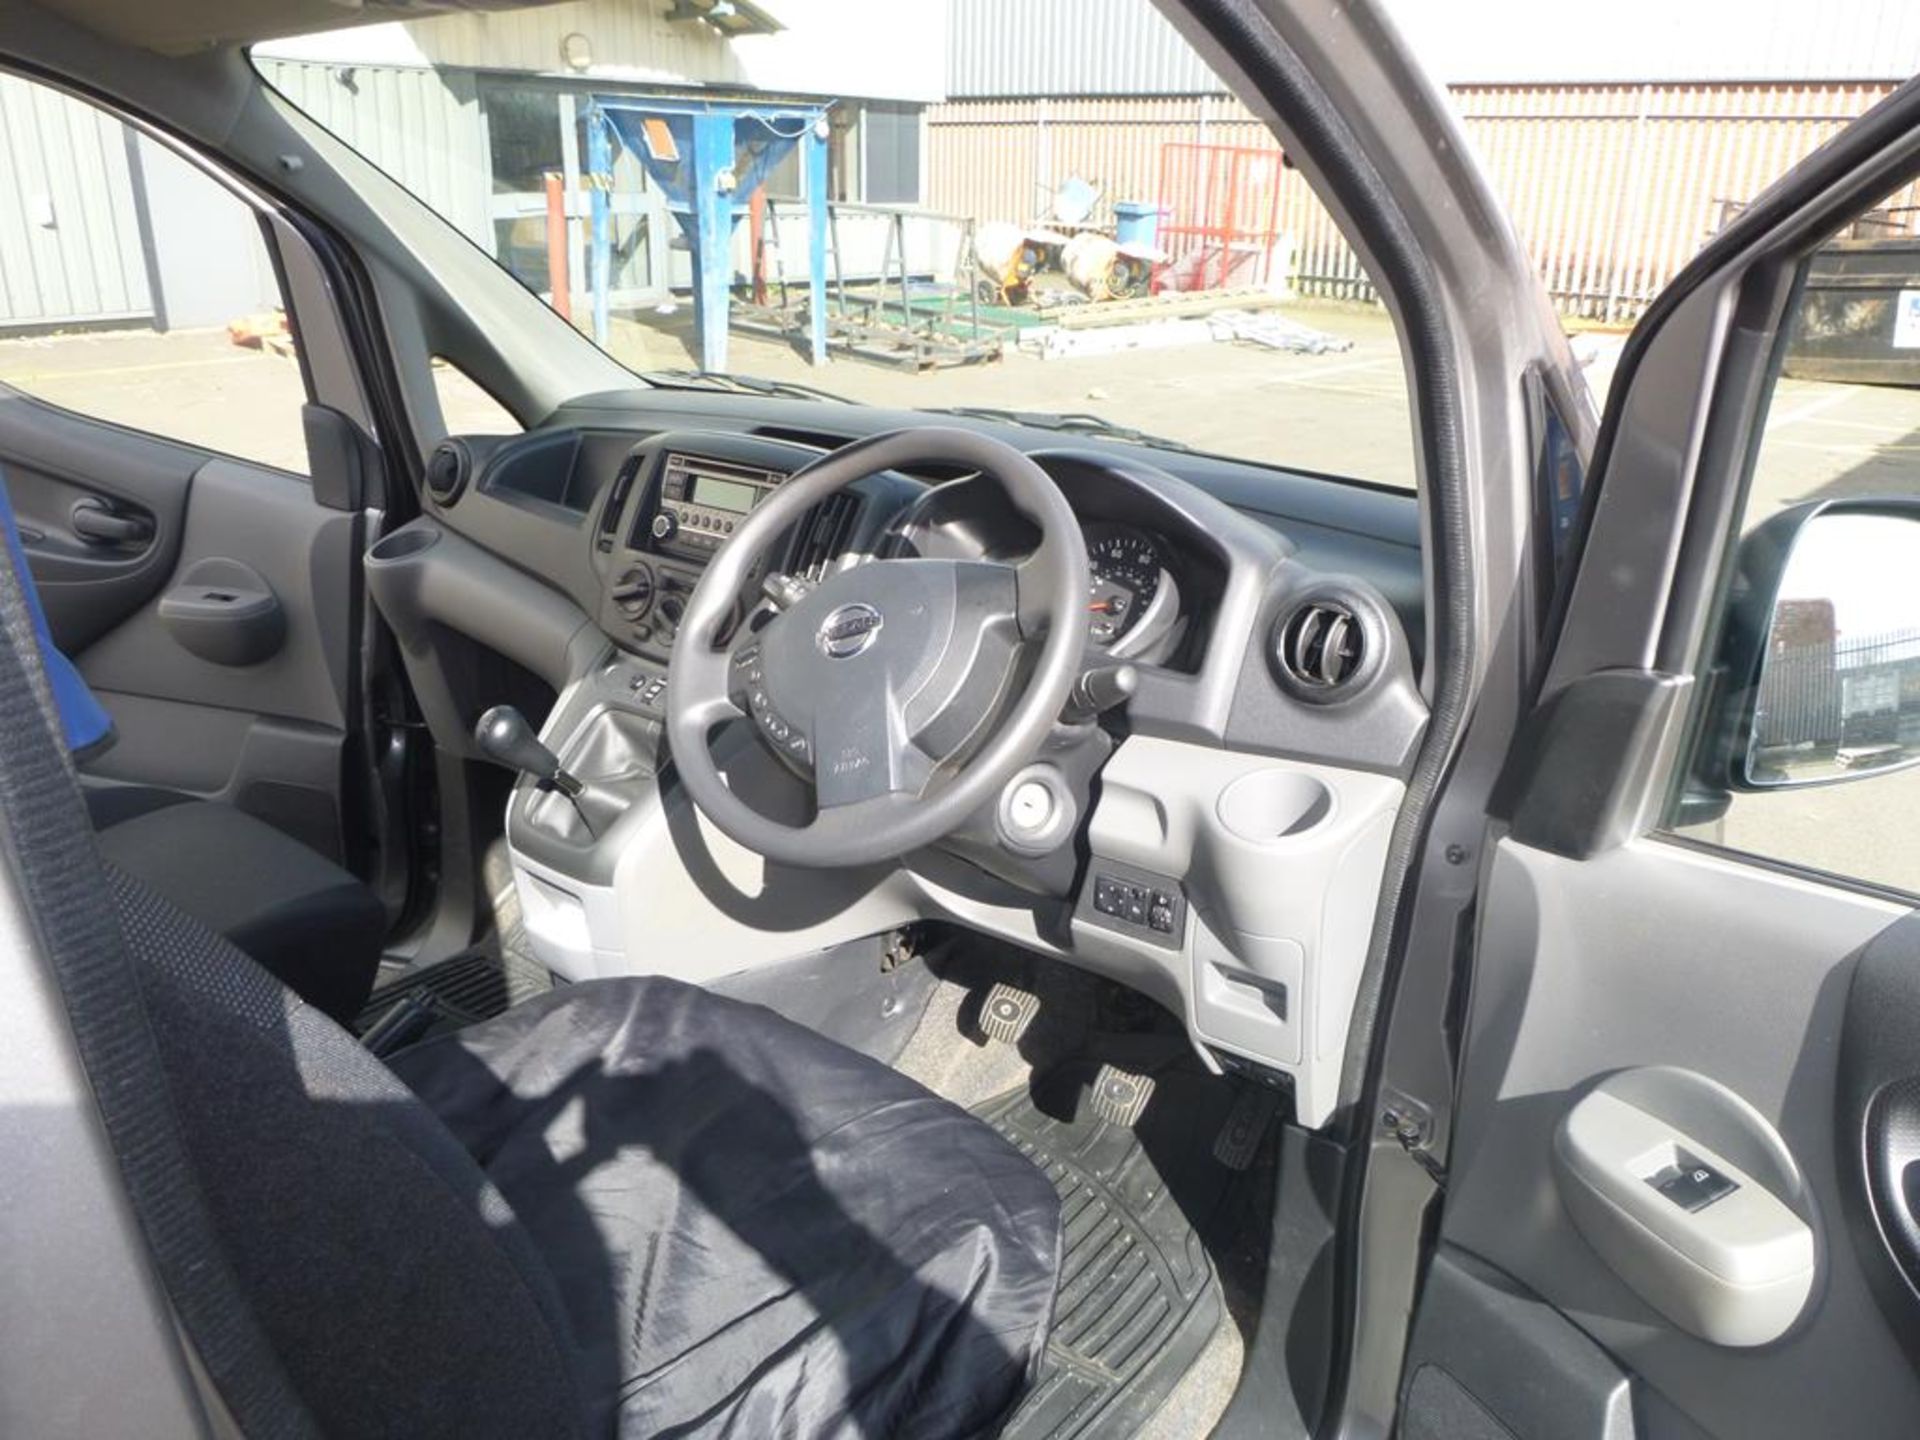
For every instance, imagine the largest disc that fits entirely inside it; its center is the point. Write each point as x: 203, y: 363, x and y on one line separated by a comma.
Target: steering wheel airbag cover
x: 881, y: 664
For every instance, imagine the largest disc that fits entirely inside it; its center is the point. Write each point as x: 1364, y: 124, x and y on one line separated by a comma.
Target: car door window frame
x: 329, y: 366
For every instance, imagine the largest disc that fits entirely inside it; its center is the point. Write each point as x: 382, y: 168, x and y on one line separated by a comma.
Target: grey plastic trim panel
x: 1578, y: 774
x: 1281, y: 864
x: 302, y: 552
x: 1375, y: 727
x: 420, y: 582
x: 1534, y: 1374
x: 1737, y: 1271
x: 1657, y: 954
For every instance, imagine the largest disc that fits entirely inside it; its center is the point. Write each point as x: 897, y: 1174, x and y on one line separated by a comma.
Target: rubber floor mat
x: 474, y: 986
x: 1139, y: 1297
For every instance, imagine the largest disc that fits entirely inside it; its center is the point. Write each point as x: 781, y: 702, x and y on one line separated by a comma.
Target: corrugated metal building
x: 1619, y: 135
x: 106, y: 227
x: 471, y: 111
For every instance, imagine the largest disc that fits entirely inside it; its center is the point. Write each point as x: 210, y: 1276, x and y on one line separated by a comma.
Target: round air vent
x: 1327, y: 645
x: 448, y: 465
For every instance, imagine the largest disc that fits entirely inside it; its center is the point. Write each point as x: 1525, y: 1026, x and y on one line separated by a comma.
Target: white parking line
x: 1307, y: 377
x: 1868, y: 425
x: 1819, y: 405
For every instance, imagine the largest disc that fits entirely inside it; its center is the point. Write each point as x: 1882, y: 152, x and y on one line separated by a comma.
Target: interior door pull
x: 1690, y: 1196
x: 93, y: 522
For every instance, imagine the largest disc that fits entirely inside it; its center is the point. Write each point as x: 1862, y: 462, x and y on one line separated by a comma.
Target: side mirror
x: 1820, y: 672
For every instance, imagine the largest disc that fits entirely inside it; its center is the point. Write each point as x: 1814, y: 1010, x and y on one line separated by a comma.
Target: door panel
x: 55, y: 461
x: 1701, y: 974
x: 1657, y: 954
x: 269, y: 524
x: 197, y: 704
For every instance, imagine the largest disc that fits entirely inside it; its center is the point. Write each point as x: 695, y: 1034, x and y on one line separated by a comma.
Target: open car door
x: 1680, y: 1169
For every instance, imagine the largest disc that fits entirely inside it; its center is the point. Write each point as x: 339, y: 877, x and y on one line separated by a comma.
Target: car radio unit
x: 701, y: 502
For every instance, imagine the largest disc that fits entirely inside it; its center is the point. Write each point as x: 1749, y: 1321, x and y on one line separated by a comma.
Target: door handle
x: 1877, y: 1122
x: 1893, y: 1170
x: 96, y: 524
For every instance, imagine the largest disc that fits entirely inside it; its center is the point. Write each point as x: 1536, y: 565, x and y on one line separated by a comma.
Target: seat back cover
x: 340, y: 1265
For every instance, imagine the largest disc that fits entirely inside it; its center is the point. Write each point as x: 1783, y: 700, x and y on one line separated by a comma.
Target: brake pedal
x: 1239, y: 1139
x: 1008, y: 1013
x: 1120, y: 1096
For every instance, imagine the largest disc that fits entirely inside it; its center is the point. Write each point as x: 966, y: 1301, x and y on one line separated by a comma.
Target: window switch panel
x: 1691, y: 1184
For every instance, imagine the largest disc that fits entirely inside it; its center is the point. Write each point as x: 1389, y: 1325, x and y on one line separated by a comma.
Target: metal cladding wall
x: 1071, y: 47
x: 1612, y: 187
x: 423, y: 127
x: 70, y: 242
x: 1010, y: 48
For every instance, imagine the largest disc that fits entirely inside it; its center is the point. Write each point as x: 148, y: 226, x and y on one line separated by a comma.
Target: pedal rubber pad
x: 1008, y: 1013
x: 1239, y: 1139
x: 1120, y: 1096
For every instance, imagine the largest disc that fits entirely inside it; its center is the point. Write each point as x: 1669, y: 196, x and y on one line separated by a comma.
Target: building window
x: 892, y: 154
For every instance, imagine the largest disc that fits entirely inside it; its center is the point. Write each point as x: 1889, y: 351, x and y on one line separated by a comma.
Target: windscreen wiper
x: 1070, y: 422
x: 738, y: 384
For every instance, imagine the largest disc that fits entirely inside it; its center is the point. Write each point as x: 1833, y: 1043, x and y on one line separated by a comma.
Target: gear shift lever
x: 505, y: 737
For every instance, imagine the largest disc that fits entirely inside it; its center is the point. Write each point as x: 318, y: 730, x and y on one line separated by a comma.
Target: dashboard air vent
x: 825, y: 533
x: 616, y: 502
x: 1323, y: 646
x: 448, y: 466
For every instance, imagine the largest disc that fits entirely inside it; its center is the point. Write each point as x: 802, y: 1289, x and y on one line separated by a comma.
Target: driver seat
x: 630, y: 1207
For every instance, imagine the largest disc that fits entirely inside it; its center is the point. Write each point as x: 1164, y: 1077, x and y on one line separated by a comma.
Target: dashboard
x: 1194, y: 571
x: 1269, y: 625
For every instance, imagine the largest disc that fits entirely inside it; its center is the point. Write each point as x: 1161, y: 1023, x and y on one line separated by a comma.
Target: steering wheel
x: 881, y: 684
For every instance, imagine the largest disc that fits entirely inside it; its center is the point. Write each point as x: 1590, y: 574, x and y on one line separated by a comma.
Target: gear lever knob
x: 505, y: 737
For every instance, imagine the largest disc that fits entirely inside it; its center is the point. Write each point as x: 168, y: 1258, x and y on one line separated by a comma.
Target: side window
x: 1818, y: 710
x: 135, y: 289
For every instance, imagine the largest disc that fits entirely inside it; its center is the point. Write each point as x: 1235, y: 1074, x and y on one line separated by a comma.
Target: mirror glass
x: 1839, y: 690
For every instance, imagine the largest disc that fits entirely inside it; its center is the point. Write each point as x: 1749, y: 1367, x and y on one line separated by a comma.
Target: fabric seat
x: 309, y: 922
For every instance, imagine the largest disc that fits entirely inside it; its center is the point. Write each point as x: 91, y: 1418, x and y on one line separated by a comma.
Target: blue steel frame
x: 707, y: 190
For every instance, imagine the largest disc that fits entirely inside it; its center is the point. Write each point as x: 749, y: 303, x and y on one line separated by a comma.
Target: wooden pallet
x: 1174, y: 305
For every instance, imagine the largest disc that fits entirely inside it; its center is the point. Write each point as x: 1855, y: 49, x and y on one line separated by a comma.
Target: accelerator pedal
x: 1008, y: 1013
x: 1239, y: 1139
x: 1120, y: 1096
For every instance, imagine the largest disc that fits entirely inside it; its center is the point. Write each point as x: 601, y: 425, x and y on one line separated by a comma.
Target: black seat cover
x: 758, y: 1232
x: 688, y: 1216
x: 752, y: 1231
x: 296, y: 912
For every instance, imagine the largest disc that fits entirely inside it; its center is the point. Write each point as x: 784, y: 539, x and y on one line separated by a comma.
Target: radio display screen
x: 731, y: 495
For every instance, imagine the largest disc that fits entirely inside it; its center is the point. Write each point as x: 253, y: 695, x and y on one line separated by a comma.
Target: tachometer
x: 1125, y: 567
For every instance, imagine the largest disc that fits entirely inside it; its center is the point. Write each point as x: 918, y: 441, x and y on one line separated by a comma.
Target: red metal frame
x: 1219, y: 206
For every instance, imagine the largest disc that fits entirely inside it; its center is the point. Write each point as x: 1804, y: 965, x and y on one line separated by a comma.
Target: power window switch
x: 1691, y: 1184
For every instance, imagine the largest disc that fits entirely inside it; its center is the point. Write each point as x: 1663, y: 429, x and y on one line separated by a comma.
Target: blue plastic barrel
x: 1135, y: 223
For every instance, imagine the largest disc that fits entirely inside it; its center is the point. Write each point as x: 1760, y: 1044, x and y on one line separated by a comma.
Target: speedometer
x: 1124, y: 567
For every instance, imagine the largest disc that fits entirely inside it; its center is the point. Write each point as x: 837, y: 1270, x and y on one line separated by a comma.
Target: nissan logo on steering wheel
x: 848, y: 630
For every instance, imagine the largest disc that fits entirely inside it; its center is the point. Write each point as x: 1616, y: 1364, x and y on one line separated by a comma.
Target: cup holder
x: 1271, y: 805
x: 408, y: 540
